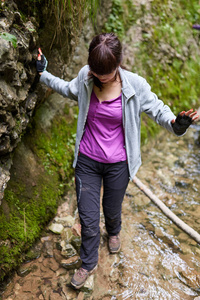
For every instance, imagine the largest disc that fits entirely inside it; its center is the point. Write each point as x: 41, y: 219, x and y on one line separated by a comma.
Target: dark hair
x: 105, y: 55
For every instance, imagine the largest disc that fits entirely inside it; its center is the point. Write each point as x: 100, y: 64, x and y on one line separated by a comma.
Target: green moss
x: 32, y: 197
x: 57, y: 149
x: 168, y: 55
x: 26, y: 219
x: 121, y: 17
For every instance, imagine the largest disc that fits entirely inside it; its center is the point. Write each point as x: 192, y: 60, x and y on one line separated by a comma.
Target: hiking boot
x: 114, y: 244
x: 80, y: 277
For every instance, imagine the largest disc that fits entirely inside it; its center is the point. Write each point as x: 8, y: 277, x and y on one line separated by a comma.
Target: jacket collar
x: 127, y: 88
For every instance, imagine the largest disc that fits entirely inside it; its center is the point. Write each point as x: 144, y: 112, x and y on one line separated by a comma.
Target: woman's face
x: 106, y: 78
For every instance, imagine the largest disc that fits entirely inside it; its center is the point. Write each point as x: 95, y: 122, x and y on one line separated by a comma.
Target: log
x: 182, y: 225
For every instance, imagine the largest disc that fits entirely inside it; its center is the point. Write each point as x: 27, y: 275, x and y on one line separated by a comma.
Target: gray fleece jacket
x: 136, y: 98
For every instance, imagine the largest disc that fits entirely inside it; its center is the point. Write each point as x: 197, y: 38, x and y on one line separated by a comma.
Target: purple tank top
x: 103, y: 139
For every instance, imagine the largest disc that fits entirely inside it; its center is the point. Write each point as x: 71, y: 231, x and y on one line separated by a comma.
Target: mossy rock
x: 41, y: 171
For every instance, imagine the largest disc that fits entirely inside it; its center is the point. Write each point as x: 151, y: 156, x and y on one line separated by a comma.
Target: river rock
x: 186, y: 248
x: 48, y: 248
x: 66, y: 236
x: 183, y: 237
x: 159, y: 232
x: 24, y: 270
x: 67, y: 221
x: 46, y: 290
x: 76, y: 242
x: 33, y: 253
x: 192, y: 279
x: 76, y: 229
x: 166, y: 177
x: 56, y: 228
x: 141, y: 200
x: 71, y: 263
x: 89, y: 285
x: 68, y: 251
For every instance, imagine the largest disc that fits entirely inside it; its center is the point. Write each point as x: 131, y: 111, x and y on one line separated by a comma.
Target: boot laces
x: 82, y: 272
x: 114, y: 239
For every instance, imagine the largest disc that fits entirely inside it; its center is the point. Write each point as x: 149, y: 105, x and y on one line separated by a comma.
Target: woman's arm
x: 65, y: 88
x: 162, y: 114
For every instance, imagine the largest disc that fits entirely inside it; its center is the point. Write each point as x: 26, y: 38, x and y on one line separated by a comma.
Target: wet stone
x: 89, y: 285
x: 45, y: 238
x: 192, y: 279
x: 71, y: 263
x: 45, y: 291
x: 51, y: 264
x: 76, y: 242
x: 56, y: 228
x: 57, y: 255
x: 27, y: 286
x: 65, y: 221
x: 55, y: 296
x: 45, y: 271
x: 64, y: 280
x: 61, y: 272
x: 185, y: 248
x: 69, y: 293
x: 159, y: 232
x: 67, y: 234
x: 48, y: 249
x: 183, y: 237
x: 76, y: 229
x: 141, y: 200
x: 114, y: 275
x: 80, y: 296
x: 33, y: 254
x: 68, y: 251
x: 24, y: 270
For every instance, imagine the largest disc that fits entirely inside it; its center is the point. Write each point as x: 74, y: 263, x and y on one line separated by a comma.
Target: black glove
x: 41, y: 64
x: 181, y: 124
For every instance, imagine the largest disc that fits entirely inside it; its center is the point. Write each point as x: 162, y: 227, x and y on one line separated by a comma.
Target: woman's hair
x: 105, y: 55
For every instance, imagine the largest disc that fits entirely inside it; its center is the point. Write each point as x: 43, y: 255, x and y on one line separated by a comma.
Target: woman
x: 110, y: 101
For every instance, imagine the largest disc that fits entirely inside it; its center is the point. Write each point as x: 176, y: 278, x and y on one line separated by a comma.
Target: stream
x: 157, y: 261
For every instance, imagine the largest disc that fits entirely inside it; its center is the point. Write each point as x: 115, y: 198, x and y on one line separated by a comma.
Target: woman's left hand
x: 183, y: 121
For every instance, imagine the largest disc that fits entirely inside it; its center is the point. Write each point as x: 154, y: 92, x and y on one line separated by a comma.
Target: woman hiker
x: 110, y: 101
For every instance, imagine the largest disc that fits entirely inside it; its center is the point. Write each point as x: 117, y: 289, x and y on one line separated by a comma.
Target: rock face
x: 33, y: 123
x: 20, y: 92
x: 18, y: 76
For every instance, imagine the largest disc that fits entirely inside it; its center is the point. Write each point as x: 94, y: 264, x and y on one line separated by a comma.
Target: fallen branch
x: 190, y: 231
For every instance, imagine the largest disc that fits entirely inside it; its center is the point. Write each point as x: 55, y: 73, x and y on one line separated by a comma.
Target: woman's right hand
x: 41, y: 62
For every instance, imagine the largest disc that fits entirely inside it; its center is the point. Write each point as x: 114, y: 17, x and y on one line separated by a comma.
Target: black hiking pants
x: 88, y: 176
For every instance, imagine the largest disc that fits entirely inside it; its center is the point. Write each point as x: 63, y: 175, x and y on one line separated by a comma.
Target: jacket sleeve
x: 65, y: 88
x: 155, y: 108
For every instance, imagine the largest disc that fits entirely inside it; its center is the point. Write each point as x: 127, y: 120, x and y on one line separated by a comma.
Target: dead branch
x: 190, y: 231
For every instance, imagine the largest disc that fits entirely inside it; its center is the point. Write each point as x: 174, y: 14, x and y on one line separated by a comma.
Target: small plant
x: 120, y: 18
x: 70, y: 15
x: 9, y: 37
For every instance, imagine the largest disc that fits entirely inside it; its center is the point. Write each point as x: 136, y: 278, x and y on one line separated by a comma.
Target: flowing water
x: 157, y: 259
